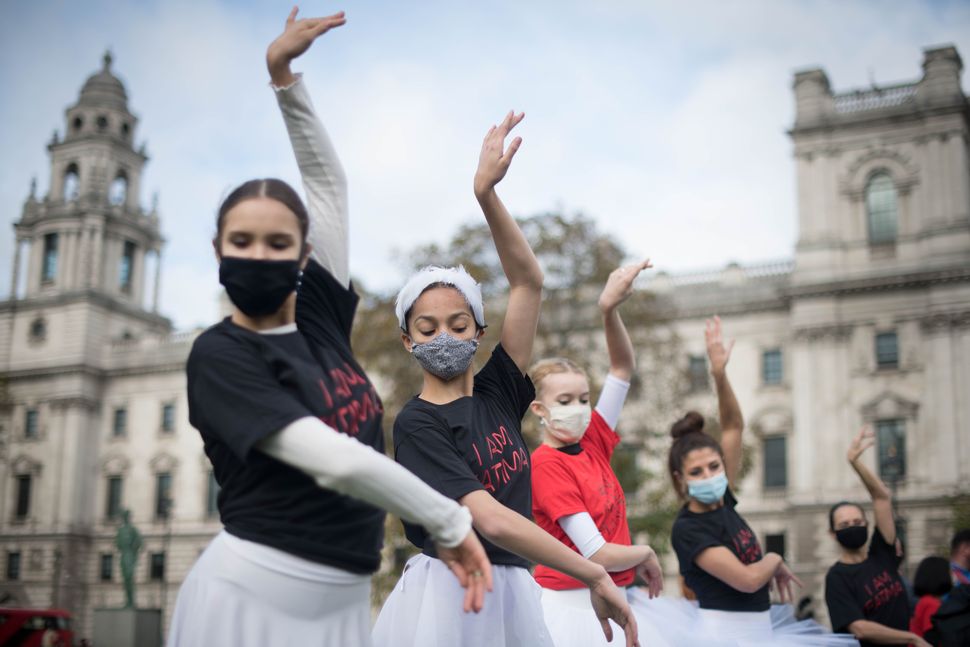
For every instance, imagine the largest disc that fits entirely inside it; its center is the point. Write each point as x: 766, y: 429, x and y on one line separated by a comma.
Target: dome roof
x: 104, y: 89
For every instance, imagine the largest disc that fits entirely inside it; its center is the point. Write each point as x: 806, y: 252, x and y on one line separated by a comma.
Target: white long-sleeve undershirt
x: 324, y: 180
x: 340, y: 463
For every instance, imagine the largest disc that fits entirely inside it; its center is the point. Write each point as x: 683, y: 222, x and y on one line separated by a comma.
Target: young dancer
x: 863, y: 590
x: 290, y: 421
x: 720, y: 557
x: 462, y: 434
x: 576, y: 497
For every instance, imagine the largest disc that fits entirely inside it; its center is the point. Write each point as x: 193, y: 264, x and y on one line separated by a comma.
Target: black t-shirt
x: 870, y: 590
x: 694, y: 532
x: 244, y: 386
x: 472, y: 443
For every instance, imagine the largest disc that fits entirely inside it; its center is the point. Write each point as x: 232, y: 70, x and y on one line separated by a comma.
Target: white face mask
x: 567, y: 423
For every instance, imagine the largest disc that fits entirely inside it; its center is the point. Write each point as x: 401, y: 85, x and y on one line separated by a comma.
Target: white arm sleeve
x: 324, y: 180
x: 611, y: 399
x: 340, y: 463
x: 583, y: 533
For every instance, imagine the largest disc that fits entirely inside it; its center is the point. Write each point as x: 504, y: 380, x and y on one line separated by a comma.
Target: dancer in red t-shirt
x: 576, y: 497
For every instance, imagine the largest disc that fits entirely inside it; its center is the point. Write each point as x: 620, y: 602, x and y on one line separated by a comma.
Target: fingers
x: 326, y: 24
x: 630, y: 630
x: 796, y: 580
x: 607, y: 629
x: 292, y: 17
x: 729, y: 347
x: 510, y: 153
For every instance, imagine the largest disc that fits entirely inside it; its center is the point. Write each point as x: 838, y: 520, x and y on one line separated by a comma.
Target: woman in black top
x: 720, y: 557
x: 290, y: 421
x: 462, y: 435
x: 863, y: 590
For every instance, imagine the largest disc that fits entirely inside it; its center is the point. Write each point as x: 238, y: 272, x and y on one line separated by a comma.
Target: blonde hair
x: 550, y: 365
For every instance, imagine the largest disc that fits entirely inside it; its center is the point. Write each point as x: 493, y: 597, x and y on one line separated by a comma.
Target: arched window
x: 881, y: 208
x: 72, y: 182
x: 118, y: 191
x: 77, y: 124
x: 102, y: 122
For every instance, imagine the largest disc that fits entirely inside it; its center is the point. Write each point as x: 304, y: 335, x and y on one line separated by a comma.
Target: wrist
x: 595, y: 575
x: 278, y: 68
x: 483, y: 190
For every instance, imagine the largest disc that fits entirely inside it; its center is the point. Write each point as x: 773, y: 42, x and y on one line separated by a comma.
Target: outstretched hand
x: 783, y: 580
x: 610, y: 604
x: 296, y: 38
x: 470, y: 565
x: 619, y: 285
x: 862, y: 441
x: 494, y: 160
x: 649, y: 569
x: 717, y: 352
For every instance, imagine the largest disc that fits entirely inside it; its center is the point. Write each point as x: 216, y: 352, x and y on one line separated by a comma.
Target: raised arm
x: 882, y: 504
x: 323, y: 177
x: 619, y: 287
x: 729, y: 411
x: 518, y: 261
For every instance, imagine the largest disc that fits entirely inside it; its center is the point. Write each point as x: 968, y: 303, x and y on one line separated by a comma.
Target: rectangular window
x: 13, y: 565
x: 775, y: 544
x: 887, y: 350
x: 127, y: 266
x: 157, y: 567
x: 776, y: 463
x: 107, y: 567
x: 49, y: 269
x: 120, y: 425
x: 168, y: 417
x: 697, y: 373
x: 771, y: 367
x: 112, y: 508
x: 891, y: 440
x: 23, y: 496
x: 163, y: 495
x: 30, y: 424
x: 212, y: 496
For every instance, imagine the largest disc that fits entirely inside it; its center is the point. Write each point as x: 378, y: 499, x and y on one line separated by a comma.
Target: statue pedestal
x: 127, y: 627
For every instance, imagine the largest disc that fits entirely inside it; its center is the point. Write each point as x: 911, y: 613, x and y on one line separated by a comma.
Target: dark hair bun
x: 691, y: 423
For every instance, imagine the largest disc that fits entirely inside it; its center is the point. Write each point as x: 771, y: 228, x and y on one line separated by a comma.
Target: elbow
x: 857, y: 629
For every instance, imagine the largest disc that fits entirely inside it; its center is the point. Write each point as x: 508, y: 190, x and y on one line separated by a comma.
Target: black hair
x: 839, y: 505
x: 688, y: 434
x: 265, y: 188
x: 932, y: 577
x: 960, y: 537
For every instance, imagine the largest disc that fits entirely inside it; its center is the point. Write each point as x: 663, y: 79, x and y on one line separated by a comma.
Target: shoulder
x: 216, y: 341
x: 416, y: 416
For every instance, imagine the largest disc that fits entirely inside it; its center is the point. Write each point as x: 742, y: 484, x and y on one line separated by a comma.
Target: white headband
x: 456, y: 277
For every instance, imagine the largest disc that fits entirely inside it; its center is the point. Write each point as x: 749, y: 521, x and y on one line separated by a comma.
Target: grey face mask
x: 445, y: 356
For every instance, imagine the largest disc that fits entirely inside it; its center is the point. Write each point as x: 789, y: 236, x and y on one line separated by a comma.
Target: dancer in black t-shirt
x: 462, y: 435
x: 720, y: 557
x: 863, y: 590
x: 290, y: 421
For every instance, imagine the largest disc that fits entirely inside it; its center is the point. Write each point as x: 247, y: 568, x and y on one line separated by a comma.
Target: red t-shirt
x: 922, y: 616
x: 565, y: 484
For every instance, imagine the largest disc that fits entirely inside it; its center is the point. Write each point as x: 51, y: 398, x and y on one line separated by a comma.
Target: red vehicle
x: 35, y: 628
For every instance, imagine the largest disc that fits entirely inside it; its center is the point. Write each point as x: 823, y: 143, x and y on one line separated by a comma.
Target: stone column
x: 15, y: 274
x: 158, y: 279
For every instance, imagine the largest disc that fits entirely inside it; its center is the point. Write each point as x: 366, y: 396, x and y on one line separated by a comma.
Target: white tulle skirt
x: 572, y: 623
x: 682, y: 623
x: 243, y: 594
x: 424, y: 610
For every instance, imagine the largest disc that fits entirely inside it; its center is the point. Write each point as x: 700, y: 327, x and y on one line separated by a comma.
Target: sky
x: 666, y: 122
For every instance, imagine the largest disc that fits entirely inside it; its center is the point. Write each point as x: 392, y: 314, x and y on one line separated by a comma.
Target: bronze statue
x: 128, y: 541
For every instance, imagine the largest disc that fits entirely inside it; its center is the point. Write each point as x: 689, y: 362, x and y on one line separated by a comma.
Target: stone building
x: 868, y: 322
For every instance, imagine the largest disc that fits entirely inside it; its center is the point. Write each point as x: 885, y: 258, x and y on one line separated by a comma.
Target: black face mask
x: 852, y: 537
x: 257, y: 287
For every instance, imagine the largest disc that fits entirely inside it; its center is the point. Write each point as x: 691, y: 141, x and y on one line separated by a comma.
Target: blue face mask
x: 708, y: 490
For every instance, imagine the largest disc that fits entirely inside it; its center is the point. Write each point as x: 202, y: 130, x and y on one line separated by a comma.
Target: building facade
x: 868, y: 322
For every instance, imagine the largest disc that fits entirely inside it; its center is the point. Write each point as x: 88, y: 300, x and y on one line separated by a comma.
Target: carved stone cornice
x: 889, y: 405
x: 909, y: 281
x: 837, y: 332
x: 944, y: 321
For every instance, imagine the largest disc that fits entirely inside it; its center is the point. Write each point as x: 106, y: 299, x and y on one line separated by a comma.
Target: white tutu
x: 683, y: 623
x: 424, y: 610
x: 572, y: 623
x: 243, y: 594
